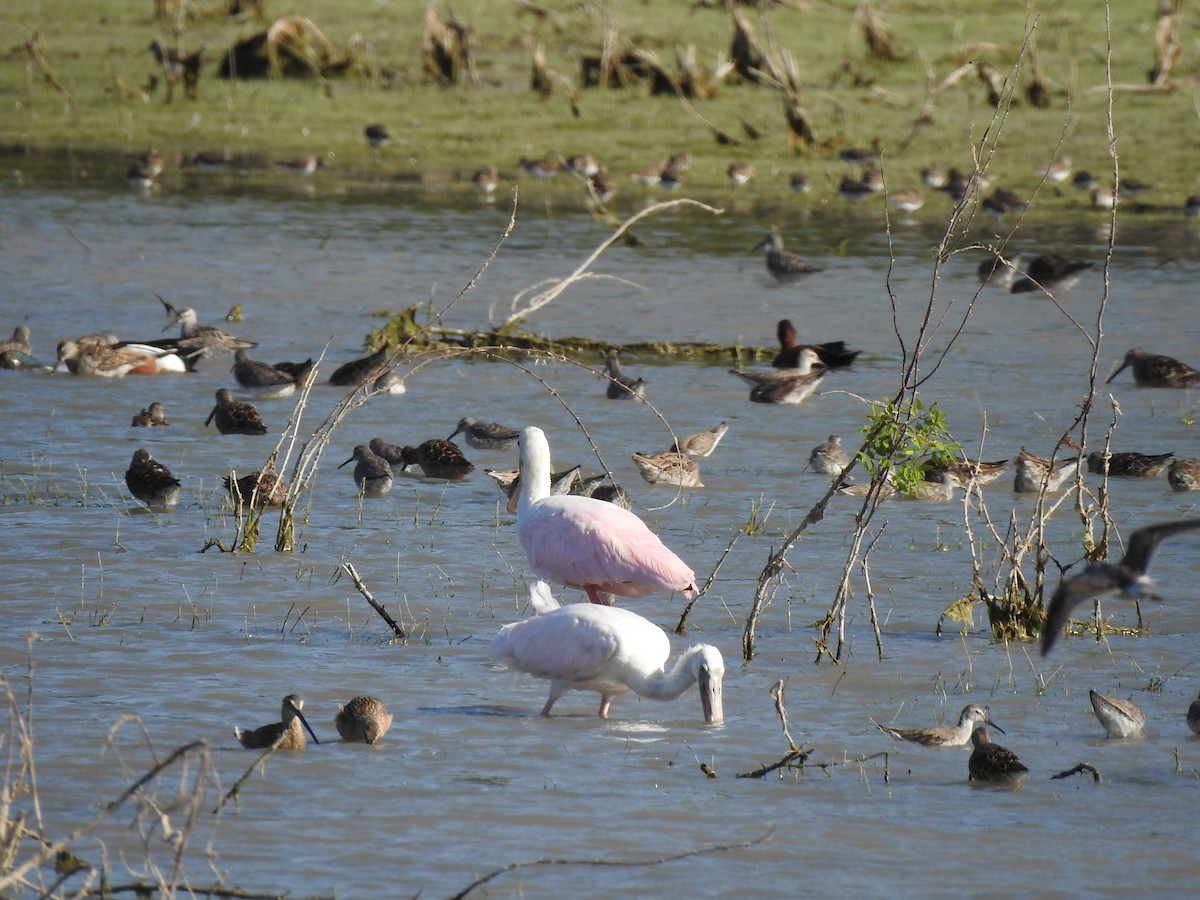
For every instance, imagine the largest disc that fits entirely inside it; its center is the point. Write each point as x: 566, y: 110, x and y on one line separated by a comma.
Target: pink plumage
x: 589, y: 544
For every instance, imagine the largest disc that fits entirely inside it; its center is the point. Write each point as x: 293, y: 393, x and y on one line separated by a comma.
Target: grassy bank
x: 98, y: 56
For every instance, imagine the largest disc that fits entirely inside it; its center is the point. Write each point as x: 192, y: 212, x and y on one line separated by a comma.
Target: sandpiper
x: 392, y: 453
x: 1032, y: 471
x: 364, y: 720
x: 991, y: 764
x: 1154, y: 370
x: 301, y: 373
x: 1184, y: 475
x: 784, y: 267
x: 974, y: 470
x: 546, y: 167
x: 800, y: 183
x: 702, y: 443
x: 197, y: 336
x: 260, y: 490
x: 1100, y: 578
x: 858, y: 156
x: 372, y: 474
x: 853, y: 189
x: 829, y: 458
x: 620, y: 385
x: 1104, y: 198
x: 140, y: 177
x: 509, y: 481
x: 908, y: 200
x: 301, y: 165
x: 285, y: 735
x: 1128, y: 464
x: 152, y: 162
x: 1084, y: 181
x: 486, y: 178
x: 150, y: 481
x: 938, y: 486
x: 740, y: 173
x: 1051, y: 272
x: 208, y: 161
x: 945, y: 735
x: 1193, y: 716
x: 934, y: 176
x: 998, y: 271
x: 439, y: 459
x: 831, y: 354
x: 1003, y: 201
x: 583, y: 164
x: 234, y: 417
x: 486, y: 435
x: 1057, y: 170
x: 1120, y: 718
x: 151, y: 417
x: 602, y: 185
x: 668, y: 468
x: 260, y: 379
x: 601, y: 487
x: 359, y: 371
x: 377, y: 135
x: 785, y: 385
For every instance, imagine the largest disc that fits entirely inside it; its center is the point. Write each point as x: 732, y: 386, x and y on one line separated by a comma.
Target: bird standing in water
x: 285, y: 735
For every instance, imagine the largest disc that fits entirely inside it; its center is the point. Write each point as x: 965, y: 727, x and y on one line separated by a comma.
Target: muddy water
x: 131, y: 618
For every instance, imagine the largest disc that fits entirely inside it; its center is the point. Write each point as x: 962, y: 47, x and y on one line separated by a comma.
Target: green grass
x: 443, y: 132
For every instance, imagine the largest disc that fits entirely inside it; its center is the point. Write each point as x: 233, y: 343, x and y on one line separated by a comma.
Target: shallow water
x: 131, y: 618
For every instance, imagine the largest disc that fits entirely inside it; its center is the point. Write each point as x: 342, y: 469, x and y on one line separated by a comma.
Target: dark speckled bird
x: 285, y: 735
x: 364, y: 720
x: 261, y: 379
x: 1100, y: 578
x: 234, y: 417
x: 439, y: 459
x: 784, y: 267
x: 151, y: 417
x: 150, y: 481
x: 261, y: 490
x: 1127, y: 465
x: 991, y: 764
x: 372, y: 473
x: 1155, y: 370
x: 1184, y: 475
x: 358, y: 371
x: 832, y: 354
x: 620, y: 385
x: 1051, y: 273
x: 486, y: 435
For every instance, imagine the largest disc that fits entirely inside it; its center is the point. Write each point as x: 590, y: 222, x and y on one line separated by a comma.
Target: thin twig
x: 362, y: 589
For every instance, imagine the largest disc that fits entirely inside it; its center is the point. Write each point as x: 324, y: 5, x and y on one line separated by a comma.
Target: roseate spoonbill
x: 285, y: 735
x: 1128, y: 576
x: 588, y: 544
x: 583, y: 647
x: 946, y: 735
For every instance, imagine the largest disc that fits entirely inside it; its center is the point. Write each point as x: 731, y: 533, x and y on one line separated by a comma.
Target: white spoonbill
x: 584, y: 647
x: 589, y: 544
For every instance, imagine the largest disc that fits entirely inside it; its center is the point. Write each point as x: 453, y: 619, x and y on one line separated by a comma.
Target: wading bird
x: 364, y: 720
x: 945, y: 735
x: 285, y: 735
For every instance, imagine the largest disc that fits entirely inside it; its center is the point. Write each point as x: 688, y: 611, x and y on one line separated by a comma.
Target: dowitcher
x: 377, y: 135
x: 443, y: 460
x: 1002, y: 201
x: 1155, y: 370
x: 740, y: 173
x: 785, y: 385
x: 150, y: 417
x: 1051, y: 272
x: 106, y: 361
x: 1120, y: 718
x: 602, y: 487
x: 207, y: 338
x: 301, y: 165
x: 1193, y: 716
x: 546, y: 167
x: 1032, y: 471
x: 831, y: 354
x: 991, y: 764
x: 784, y: 267
x: 800, y: 183
x: 18, y: 343
x: 908, y: 200
x: 301, y: 373
x: 285, y: 735
x: 393, y: 453
x: 235, y: 417
x: 934, y: 176
x: 1100, y: 578
x: 486, y: 435
x: 945, y: 735
x: 829, y: 458
x: 702, y: 443
x: 1128, y: 464
x: 150, y: 481
x: 1084, y: 180
x: 938, y: 486
x: 620, y: 385
x: 668, y: 468
x: 1184, y: 475
x: 261, y: 379
x: 1057, y: 170
x: 854, y: 189
x: 486, y: 178
x: 364, y: 720
x: 975, y: 470
x: 359, y: 371
x: 509, y: 481
x: 372, y: 473
x: 260, y: 490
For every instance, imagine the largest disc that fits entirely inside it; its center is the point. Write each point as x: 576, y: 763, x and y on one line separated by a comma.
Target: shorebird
x: 1191, y: 206
x: 601, y: 487
x: 908, y: 200
x: 1057, y: 170
x: 439, y: 459
x: 301, y: 165
x: 974, y: 470
x: 1154, y: 370
x: 509, y: 482
x: 581, y: 647
x: 360, y: 371
x: 393, y: 453
x: 1127, y: 465
x: 364, y: 720
x: 546, y: 167
x: 602, y: 185
x: 150, y: 417
x: 945, y: 735
x: 1002, y: 201
x: 486, y: 435
x: 195, y: 335
x: 1032, y: 471
x: 261, y: 379
x: 587, y: 544
x: 1193, y: 716
x: 377, y: 136
x: 1052, y: 272
x: 301, y: 373
x: 785, y: 385
x: 938, y: 486
x: 800, y: 183
x: 1184, y: 475
x: 740, y: 173
x: 18, y: 343
x: 87, y: 357
x: 664, y: 174
x: 1120, y: 718
x: 583, y: 164
x: 784, y: 267
x: 234, y: 417
x: 208, y: 161
x: 829, y: 458
x: 285, y: 735
x: 620, y: 385
x: 140, y: 177
x: 934, y: 176
x: 668, y: 468
x: 259, y: 490
x: 372, y: 473
x: 997, y: 271
x: 1100, y: 578
x: 150, y: 481
x: 486, y: 178
x: 991, y: 764
x: 1084, y: 180
x: 831, y: 354
x: 702, y: 443
x: 152, y: 161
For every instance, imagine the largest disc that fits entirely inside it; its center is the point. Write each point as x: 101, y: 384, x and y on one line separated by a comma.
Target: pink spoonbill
x: 589, y: 544
x: 584, y: 647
